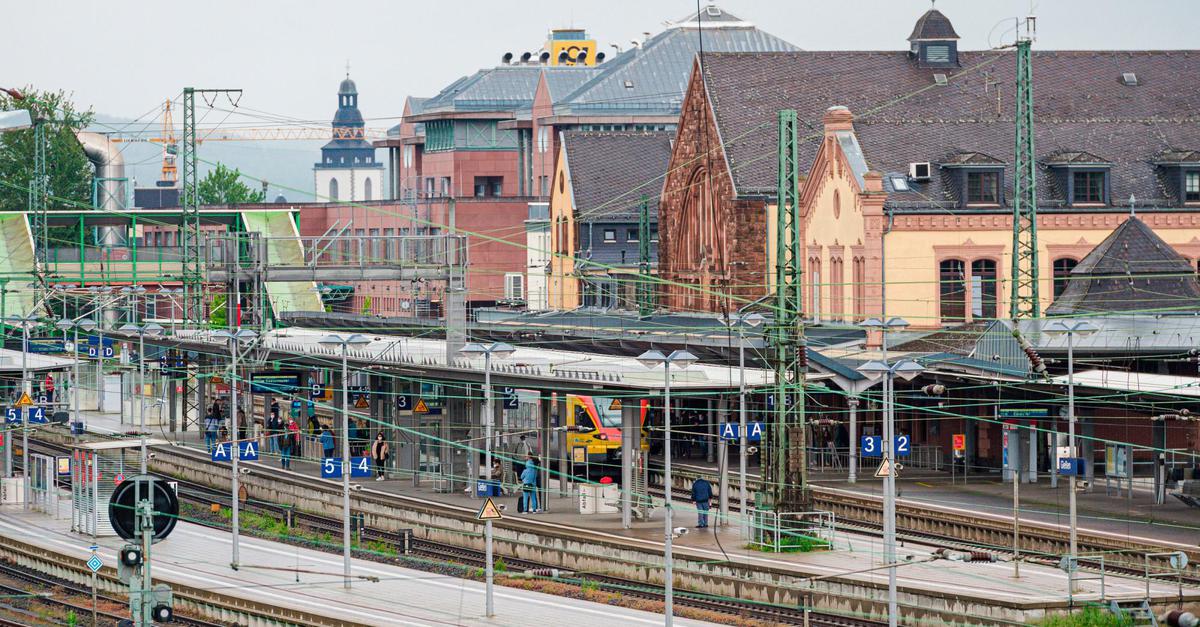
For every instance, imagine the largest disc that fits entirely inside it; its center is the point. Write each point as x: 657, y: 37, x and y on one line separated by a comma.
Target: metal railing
x: 830, y: 458
x: 344, y: 251
x: 777, y: 531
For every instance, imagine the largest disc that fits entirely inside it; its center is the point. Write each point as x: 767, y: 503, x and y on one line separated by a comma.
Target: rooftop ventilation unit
x: 1129, y: 79
x: 525, y: 56
x: 544, y: 58
x: 507, y: 58
x: 940, y: 79
x: 919, y: 171
x: 712, y: 11
x: 599, y: 57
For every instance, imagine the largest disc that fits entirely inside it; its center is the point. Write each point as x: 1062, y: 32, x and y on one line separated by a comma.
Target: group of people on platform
x: 281, y: 435
x: 516, y: 470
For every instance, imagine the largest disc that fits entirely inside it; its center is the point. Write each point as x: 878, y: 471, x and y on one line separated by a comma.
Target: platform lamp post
x: 1071, y: 329
x: 25, y: 322
x: 680, y: 359
x: 235, y: 338
x: 142, y: 330
x: 499, y: 350
x: 906, y: 369
x: 99, y: 292
x: 345, y: 343
x: 131, y: 293
x: 742, y: 320
x: 87, y: 324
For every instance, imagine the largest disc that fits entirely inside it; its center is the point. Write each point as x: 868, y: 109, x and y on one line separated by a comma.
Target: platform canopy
x: 1139, y: 382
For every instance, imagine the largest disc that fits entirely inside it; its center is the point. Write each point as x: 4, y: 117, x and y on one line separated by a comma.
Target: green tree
x: 69, y: 170
x: 222, y: 186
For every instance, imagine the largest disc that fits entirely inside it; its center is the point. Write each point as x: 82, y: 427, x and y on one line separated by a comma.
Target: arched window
x: 333, y: 189
x: 1062, y: 273
x: 860, y: 288
x: 983, y: 289
x: 837, y: 204
x: 367, y: 190
x: 953, y: 292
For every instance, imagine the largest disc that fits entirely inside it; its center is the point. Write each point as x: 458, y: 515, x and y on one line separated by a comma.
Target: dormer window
x: 1087, y: 187
x: 937, y: 54
x: 933, y: 41
x: 1191, y: 186
x: 1082, y: 175
x: 983, y: 187
x: 1180, y: 171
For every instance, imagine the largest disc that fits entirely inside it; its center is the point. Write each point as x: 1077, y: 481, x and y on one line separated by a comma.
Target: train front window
x: 582, y: 419
x: 609, y: 417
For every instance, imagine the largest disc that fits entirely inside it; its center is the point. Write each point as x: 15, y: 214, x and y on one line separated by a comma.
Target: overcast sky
x: 124, y: 57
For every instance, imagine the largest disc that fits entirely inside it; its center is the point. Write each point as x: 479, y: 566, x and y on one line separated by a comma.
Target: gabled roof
x: 651, y: 79
x: 610, y: 172
x: 1074, y: 157
x: 1082, y: 106
x: 1132, y: 269
x: 1174, y: 157
x: 970, y: 158
x: 931, y: 26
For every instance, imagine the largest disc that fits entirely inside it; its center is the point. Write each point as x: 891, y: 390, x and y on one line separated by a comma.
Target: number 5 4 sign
x: 331, y: 467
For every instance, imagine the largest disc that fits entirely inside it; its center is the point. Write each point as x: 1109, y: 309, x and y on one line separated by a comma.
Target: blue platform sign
x: 872, y: 446
x: 730, y: 431
x: 360, y: 466
x: 1070, y: 466
x: 404, y: 402
x: 220, y: 452
x: 37, y: 415
x: 511, y: 400
x: 331, y: 468
x: 12, y: 415
x: 248, y: 451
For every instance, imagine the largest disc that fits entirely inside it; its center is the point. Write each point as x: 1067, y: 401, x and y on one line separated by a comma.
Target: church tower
x: 348, y: 170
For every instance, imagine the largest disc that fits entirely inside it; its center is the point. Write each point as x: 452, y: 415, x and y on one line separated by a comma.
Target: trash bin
x: 485, y: 487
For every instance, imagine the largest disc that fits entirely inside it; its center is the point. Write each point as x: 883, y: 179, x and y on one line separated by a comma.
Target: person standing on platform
x: 529, y: 486
x: 702, y: 497
x: 289, y: 443
x: 326, y: 440
x: 379, y: 456
x: 274, y: 426
x: 212, y: 425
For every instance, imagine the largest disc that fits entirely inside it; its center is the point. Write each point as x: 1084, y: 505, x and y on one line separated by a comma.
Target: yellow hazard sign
x: 885, y: 469
x: 489, y: 511
x: 615, y: 405
x: 421, y: 407
x: 361, y: 403
x: 25, y: 401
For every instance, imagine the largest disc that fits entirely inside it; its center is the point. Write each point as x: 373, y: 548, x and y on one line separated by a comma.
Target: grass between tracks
x: 1089, y: 617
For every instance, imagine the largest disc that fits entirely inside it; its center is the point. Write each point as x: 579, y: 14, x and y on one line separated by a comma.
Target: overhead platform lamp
x: 906, y: 369
x: 1071, y: 329
x: 345, y: 342
x: 679, y: 359
x: 499, y: 350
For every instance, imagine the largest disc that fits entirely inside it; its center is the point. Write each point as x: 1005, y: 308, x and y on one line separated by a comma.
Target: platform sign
x: 316, y: 390
x: 12, y: 416
x: 403, y: 402
x: 331, y: 468
x: 274, y: 383
x: 511, y: 400
x: 730, y: 431
x: 360, y: 466
x: 220, y: 452
x: 960, y: 442
x: 1025, y: 413
x: 1070, y: 466
x: 248, y: 451
x: 37, y: 415
x: 871, y: 446
x: 901, y: 445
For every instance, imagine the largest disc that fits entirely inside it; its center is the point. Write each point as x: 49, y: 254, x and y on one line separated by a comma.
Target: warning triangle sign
x: 421, y: 407
x: 489, y: 511
x: 885, y: 469
x: 615, y: 405
x: 361, y: 403
x: 25, y: 401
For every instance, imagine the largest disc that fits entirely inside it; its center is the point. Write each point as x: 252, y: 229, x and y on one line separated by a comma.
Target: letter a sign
x: 220, y: 452
x: 248, y: 451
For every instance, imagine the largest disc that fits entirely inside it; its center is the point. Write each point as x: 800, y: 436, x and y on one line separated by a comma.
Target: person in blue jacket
x: 327, y: 442
x: 529, y: 486
x: 702, y: 496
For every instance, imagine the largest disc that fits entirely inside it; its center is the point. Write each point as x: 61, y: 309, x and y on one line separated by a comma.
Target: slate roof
x: 902, y: 116
x: 610, y: 172
x: 1132, y: 269
x: 932, y: 25
x: 652, y: 78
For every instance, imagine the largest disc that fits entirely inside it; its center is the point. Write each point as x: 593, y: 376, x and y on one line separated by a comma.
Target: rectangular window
x: 514, y: 286
x: 430, y: 186
x: 489, y: 186
x: 653, y: 234
x: 631, y: 235
x: 1088, y: 187
x: 1191, y: 186
x: 983, y: 188
x: 408, y: 156
x: 445, y: 186
x: 937, y: 53
x: 610, y: 236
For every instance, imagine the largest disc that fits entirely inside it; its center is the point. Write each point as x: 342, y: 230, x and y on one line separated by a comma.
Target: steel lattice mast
x: 1024, y: 301
x: 645, y: 292
x: 786, y: 467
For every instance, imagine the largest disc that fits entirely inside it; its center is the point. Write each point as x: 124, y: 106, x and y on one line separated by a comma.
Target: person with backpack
x: 529, y: 487
x: 702, y: 497
x: 326, y: 439
x: 212, y: 425
x: 379, y: 456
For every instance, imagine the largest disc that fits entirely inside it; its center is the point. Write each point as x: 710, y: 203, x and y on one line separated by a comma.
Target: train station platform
x: 291, y: 577
x: 855, y: 557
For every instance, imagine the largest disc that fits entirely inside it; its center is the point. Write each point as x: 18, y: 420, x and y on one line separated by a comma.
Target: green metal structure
x: 39, y: 192
x: 785, y: 468
x: 1024, y: 301
x: 645, y: 287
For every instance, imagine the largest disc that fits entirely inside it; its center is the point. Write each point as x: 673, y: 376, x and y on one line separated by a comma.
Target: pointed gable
x: 1133, y: 269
